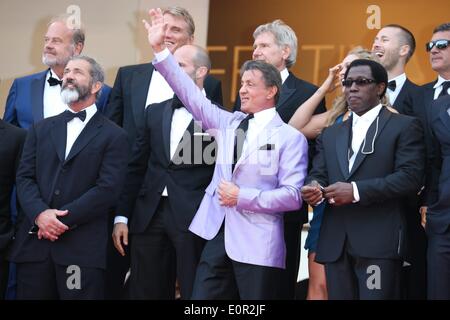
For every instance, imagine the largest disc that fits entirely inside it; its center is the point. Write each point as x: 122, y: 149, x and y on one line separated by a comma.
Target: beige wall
x: 114, y: 33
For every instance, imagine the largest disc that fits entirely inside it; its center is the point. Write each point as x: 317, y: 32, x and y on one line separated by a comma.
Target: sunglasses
x: 359, y: 82
x: 440, y: 44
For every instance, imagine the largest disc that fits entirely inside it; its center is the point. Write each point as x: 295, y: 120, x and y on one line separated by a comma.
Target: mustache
x: 69, y: 81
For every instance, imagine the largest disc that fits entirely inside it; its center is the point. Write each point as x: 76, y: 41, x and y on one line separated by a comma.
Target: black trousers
x: 219, y: 278
x: 356, y: 278
x: 4, y: 272
x: 162, y: 254
x: 47, y: 280
x: 292, y: 238
x: 438, y: 258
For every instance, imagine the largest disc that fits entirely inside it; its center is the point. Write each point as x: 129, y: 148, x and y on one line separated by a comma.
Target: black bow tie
x: 176, y: 103
x: 392, y: 85
x: 70, y: 115
x: 53, y: 81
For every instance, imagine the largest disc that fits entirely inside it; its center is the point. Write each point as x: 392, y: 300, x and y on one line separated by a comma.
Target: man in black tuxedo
x: 69, y: 179
x: 395, y: 45
x: 437, y: 220
x: 276, y: 43
x: 11, y: 142
x: 135, y: 88
x: 171, y: 166
x: 368, y: 166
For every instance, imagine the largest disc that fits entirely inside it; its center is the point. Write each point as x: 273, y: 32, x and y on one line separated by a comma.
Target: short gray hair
x: 96, y: 71
x: 271, y: 75
x: 184, y: 14
x: 78, y: 35
x: 284, y: 36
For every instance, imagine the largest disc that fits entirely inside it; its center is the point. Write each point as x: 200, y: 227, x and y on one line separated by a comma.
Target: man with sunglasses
x: 367, y: 165
x: 437, y: 216
x: 394, y: 45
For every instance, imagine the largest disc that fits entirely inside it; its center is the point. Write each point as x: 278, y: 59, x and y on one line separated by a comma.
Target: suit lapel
x: 445, y: 117
x: 37, y: 94
x: 139, y: 86
x: 401, y: 96
x: 166, y: 127
x: 286, y: 92
x: 342, y: 145
x: 89, y: 132
x: 368, y: 145
x: 59, y: 136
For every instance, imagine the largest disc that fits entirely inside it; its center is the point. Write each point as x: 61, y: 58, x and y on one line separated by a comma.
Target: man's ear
x: 404, y: 50
x: 96, y: 87
x: 201, y: 72
x: 78, y: 48
x: 272, y: 92
x: 380, y: 88
x: 286, y: 52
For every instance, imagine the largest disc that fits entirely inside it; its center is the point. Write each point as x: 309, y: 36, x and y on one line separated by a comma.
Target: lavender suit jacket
x: 269, y: 173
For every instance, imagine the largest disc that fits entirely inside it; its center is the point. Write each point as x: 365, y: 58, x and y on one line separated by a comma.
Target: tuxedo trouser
x: 438, y: 258
x: 292, y: 238
x: 356, y: 278
x: 162, y: 254
x: 220, y: 278
x: 46, y: 280
x: 4, y: 273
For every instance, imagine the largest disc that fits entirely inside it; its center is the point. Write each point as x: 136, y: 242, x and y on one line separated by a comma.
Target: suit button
x: 57, y: 192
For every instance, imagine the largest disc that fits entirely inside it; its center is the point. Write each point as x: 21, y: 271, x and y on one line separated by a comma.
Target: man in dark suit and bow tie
x: 394, y: 45
x: 276, y: 43
x: 135, y: 88
x: 69, y: 179
x: 37, y: 96
x: 365, y: 168
x: 171, y: 166
x: 11, y: 142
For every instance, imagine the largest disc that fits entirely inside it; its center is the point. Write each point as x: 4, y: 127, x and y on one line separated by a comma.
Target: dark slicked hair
x: 379, y: 73
x: 271, y: 75
x: 408, y: 38
x: 442, y: 27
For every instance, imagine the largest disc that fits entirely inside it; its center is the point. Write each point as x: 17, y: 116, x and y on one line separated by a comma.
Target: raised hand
x: 332, y: 81
x: 156, y: 29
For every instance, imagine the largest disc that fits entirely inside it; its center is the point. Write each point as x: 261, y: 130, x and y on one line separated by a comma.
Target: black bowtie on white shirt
x: 399, y: 82
x: 53, y: 104
x: 76, y: 126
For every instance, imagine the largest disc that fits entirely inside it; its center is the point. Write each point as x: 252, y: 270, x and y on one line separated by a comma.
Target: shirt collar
x: 439, y: 82
x: 367, y: 117
x: 284, y: 74
x: 264, y: 115
x: 53, y: 74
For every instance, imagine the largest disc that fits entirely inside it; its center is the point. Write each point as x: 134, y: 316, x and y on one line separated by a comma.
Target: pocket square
x: 201, y: 134
x: 269, y: 146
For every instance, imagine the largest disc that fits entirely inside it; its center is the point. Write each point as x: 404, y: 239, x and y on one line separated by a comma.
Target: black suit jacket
x: 87, y: 184
x: 186, y: 175
x: 11, y: 142
x: 404, y: 104
x: 127, y: 101
x: 375, y: 226
x: 438, y: 184
x: 294, y: 92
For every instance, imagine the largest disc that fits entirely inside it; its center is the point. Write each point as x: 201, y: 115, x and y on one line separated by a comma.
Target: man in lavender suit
x: 241, y: 213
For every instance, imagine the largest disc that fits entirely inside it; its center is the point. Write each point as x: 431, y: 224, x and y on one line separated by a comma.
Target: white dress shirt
x: 438, y: 87
x: 257, y: 124
x: 284, y: 74
x: 53, y: 104
x: 75, y: 126
x: 360, y: 125
x: 158, y: 90
x: 399, y: 82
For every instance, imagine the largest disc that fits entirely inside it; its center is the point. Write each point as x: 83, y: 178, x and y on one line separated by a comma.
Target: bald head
x: 195, y: 62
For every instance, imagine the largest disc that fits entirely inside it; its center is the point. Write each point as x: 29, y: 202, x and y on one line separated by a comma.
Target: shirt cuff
x: 160, y: 56
x: 356, y: 197
x: 120, y: 219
